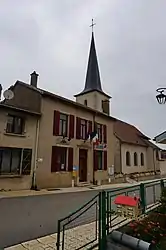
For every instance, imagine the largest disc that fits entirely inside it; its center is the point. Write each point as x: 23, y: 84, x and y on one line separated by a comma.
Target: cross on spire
x: 92, y: 25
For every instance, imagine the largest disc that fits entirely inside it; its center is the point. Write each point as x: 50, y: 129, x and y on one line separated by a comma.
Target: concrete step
x: 129, y: 180
x: 85, y: 184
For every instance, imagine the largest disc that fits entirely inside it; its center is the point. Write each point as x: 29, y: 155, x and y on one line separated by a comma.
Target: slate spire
x: 92, y: 81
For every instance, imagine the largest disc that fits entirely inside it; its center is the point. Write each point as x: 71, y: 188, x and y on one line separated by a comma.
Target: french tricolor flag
x: 93, y: 137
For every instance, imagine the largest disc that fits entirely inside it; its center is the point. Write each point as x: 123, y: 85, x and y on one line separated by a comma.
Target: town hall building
x: 66, y: 131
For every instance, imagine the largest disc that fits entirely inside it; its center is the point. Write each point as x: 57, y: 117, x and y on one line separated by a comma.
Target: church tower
x: 93, y: 96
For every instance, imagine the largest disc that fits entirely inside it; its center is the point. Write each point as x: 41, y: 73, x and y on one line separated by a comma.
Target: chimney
x: 0, y: 91
x: 34, y: 77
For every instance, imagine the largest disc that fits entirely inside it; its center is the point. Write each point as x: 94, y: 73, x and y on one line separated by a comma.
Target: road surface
x: 27, y: 218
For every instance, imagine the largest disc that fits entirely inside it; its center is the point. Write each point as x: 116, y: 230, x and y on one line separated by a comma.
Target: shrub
x: 163, y: 196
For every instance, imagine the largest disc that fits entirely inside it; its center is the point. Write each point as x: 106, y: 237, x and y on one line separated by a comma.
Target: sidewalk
x: 74, y: 238
x: 22, y: 193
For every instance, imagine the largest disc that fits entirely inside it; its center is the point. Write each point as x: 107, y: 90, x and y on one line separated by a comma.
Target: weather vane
x: 92, y: 25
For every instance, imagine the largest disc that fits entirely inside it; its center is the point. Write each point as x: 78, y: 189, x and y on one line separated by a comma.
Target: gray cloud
x: 53, y: 38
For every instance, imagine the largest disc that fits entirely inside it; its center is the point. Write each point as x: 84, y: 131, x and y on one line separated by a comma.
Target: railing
x: 80, y: 230
x: 89, y: 226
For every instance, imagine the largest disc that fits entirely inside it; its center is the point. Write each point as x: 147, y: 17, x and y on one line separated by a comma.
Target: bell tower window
x: 105, y: 106
x: 85, y: 102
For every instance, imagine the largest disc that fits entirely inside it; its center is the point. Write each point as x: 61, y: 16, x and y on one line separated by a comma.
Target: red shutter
x: 78, y: 128
x: 71, y: 127
x: 54, y: 160
x: 90, y: 127
x: 105, y: 133
x: 105, y: 160
x: 95, y: 160
x: 70, y: 159
x: 56, y: 122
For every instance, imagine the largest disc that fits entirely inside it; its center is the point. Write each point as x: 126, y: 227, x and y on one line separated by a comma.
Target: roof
x: 126, y: 200
x: 161, y: 138
x: 128, y: 133
x: 7, y: 106
x: 92, y: 82
x: 48, y: 94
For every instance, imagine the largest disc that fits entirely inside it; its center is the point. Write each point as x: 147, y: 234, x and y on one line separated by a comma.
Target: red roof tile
x: 126, y: 200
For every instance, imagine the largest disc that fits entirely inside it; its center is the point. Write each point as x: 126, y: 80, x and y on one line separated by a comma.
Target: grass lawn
x: 151, y: 229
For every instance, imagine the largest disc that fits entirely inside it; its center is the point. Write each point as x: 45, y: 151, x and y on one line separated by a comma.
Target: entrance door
x: 82, y: 165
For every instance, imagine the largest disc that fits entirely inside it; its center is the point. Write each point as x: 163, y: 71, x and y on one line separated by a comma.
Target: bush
x: 163, y: 196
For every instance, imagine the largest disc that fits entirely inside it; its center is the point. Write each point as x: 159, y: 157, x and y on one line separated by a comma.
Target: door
x: 82, y: 165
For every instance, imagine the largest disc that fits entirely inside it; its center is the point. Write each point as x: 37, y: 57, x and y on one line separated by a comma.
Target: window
x: 142, y: 159
x: 62, y: 159
x: 99, y: 132
x: 135, y: 159
x: 85, y: 102
x: 15, y: 125
x: 128, y: 163
x: 59, y: 159
x: 12, y: 161
x: 159, y: 155
x: 105, y: 106
x: 83, y: 129
x: 100, y: 160
x: 26, y: 161
x: 63, y: 126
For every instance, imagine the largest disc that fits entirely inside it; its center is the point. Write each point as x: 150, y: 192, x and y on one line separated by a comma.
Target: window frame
x: 142, y: 159
x: 101, y: 161
x: 105, y: 108
x: 26, y: 152
x: 63, y: 122
x: 128, y: 159
x: 12, y: 127
x: 83, y: 129
x: 135, y: 159
x: 64, y: 158
x: 58, y: 163
x: 11, y: 151
x: 85, y: 102
x: 99, y: 131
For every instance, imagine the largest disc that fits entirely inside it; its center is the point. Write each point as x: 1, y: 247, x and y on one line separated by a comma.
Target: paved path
x: 74, y: 238
x: 29, y: 217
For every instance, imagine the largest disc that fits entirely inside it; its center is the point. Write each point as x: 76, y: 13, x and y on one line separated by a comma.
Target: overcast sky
x: 53, y: 38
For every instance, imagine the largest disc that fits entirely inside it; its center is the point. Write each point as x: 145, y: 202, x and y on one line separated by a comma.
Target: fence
x: 88, y: 227
x: 80, y: 229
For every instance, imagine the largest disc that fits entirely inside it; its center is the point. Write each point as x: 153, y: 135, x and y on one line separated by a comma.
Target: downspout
x: 94, y: 116
x: 154, y: 161
x: 35, y: 162
x: 120, y: 155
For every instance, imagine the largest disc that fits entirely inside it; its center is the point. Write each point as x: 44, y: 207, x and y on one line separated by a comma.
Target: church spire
x: 92, y: 82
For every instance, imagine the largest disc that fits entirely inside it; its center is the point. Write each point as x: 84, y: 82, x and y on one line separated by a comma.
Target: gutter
x: 129, y: 241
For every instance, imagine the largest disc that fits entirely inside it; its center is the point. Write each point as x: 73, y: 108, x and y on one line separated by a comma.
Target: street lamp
x: 161, y: 97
